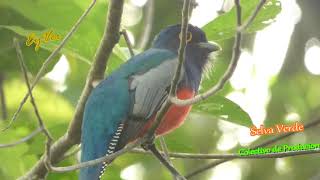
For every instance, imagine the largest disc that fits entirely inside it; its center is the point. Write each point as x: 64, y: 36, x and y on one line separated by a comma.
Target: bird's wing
x: 151, y: 88
x: 148, y: 91
x: 115, y: 100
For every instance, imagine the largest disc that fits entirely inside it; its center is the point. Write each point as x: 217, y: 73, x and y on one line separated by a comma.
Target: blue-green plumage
x: 97, y: 112
x: 108, y: 105
x: 122, y: 104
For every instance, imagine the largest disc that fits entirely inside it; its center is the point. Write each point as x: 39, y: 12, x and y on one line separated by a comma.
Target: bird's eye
x: 189, y: 36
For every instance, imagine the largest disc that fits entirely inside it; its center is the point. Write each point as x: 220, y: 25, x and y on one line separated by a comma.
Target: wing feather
x: 151, y: 87
x: 148, y: 91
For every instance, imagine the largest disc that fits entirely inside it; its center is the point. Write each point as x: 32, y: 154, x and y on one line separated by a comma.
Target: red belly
x: 174, y: 116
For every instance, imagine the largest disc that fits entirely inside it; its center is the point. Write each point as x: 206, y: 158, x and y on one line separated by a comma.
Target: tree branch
x: 229, y: 72
x: 199, y: 156
x: 148, y: 22
x: 165, y: 149
x: 165, y: 153
x: 129, y: 44
x: 99, y: 160
x: 26, y: 79
x: 253, y: 16
x: 166, y: 163
x: 22, y: 140
x: 231, y: 156
x: 72, y: 136
x: 164, y: 108
x: 48, y: 60
x: 71, y: 153
x: 184, y: 28
x: 162, y: 141
x: 33, y: 102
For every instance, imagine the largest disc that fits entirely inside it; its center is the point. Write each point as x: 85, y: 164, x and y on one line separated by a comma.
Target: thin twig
x: 165, y: 149
x: 199, y: 156
x: 180, y: 155
x: 48, y: 60
x: 169, y: 166
x: 25, y: 75
x: 268, y: 142
x: 253, y: 16
x: 181, y: 54
x: 221, y: 10
x: 164, y: 108
x: 47, y: 158
x: 227, y: 75
x: 148, y: 22
x: 71, y: 153
x: 182, y: 46
x: 129, y: 44
x: 22, y: 140
x: 223, y: 80
x: 99, y: 160
x: 231, y: 156
x: 36, y: 111
x: 193, y: 5
x: 3, y: 103
x: 72, y: 136
x: 165, y: 153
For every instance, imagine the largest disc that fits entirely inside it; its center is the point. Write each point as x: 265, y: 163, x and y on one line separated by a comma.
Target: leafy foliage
x: 221, y: 106
x: 20, y: 18
x: 224, y: 26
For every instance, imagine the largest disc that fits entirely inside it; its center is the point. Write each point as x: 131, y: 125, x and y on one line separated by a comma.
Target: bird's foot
x: 148, y: 143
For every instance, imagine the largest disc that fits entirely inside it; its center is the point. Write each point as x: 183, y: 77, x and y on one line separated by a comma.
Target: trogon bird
x: 123, y: 106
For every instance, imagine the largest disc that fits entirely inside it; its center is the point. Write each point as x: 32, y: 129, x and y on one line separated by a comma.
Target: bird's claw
x: 148, y: 143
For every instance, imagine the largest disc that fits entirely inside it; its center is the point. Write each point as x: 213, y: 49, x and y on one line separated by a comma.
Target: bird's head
x: 169, y: 38
x: 197, y: 48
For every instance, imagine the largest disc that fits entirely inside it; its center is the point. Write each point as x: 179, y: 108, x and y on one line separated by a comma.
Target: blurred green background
x: 277, y: 81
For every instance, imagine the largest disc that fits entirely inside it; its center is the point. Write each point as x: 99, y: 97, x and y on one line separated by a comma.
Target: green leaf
x: 225, y: 108
x: 49, y: 46
x: 9, y: 62
x: 224, y: 26
x: 83, y: 42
